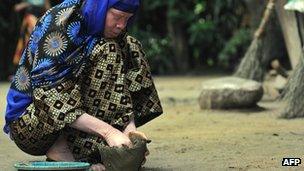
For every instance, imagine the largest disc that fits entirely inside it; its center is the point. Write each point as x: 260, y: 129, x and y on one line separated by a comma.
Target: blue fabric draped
x: 51, y: 71
x: 16, y: 103
x: 94, y: 12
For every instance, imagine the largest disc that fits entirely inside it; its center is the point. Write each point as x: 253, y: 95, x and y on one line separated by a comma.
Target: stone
x: 230, y: 92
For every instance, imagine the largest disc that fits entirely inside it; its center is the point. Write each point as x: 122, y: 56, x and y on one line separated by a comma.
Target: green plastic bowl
x: 40, y: 165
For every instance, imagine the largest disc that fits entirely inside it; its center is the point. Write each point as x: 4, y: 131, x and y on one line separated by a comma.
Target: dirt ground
x: 187, y: 138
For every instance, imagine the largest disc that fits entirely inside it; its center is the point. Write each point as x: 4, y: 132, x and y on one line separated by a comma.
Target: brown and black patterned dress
x: 115, y: 87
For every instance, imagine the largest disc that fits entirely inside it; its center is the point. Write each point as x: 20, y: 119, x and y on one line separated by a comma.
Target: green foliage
x: 234, y: 48
x: 158, y: 51
x: 207, y: 26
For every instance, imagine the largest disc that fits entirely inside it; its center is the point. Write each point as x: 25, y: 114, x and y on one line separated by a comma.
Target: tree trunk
x: 255, y: 8
x: 293, y: 92
x: 290, y: 31
x: 179, y: 41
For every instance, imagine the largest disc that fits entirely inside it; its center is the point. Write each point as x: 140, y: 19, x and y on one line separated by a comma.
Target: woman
x: 82, y: 83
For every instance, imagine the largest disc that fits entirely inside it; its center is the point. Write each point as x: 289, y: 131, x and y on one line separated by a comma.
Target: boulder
x: 230, y: 92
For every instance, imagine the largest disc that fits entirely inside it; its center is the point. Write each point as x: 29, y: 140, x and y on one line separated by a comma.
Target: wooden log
x: 289, y: 25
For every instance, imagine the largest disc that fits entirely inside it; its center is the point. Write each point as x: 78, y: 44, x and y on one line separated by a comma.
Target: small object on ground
x: 272, y: 73
x: 63, y: 166
x: 275, y: 64
x: 230, y: 92
x: 274, y: 83
x: 279, y: 83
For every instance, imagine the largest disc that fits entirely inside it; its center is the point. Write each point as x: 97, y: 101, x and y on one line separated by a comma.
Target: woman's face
x: 116, y: 22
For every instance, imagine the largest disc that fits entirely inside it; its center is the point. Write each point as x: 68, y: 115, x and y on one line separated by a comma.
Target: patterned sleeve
x: 144, y: 95
x: 58, y: 106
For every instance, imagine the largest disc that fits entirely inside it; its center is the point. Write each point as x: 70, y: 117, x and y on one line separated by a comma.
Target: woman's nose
x: 121, y: 25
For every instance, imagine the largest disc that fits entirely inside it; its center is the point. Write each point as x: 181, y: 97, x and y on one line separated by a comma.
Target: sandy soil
x: 187, y: 138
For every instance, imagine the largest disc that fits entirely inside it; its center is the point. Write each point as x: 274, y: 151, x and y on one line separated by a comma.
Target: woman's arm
x: 92, y: 125
x: 130, y: 127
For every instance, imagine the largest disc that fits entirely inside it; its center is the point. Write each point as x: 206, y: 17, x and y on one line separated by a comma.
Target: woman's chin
x: 110, y: 35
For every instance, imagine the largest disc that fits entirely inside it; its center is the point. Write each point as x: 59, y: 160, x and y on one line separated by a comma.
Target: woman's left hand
x: 131, y: 130
x: 136, y: 133
x: 143, y: 136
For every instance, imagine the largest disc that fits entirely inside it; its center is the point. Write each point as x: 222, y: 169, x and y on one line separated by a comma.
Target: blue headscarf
x: 94, y: 12
x: 62, y: 66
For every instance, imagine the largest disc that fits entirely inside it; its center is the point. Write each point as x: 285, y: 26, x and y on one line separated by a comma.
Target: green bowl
x: 40, y: 165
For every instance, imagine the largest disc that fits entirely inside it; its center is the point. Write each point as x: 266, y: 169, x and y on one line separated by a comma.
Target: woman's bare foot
x: 97, y: 167
x: 60, y: 151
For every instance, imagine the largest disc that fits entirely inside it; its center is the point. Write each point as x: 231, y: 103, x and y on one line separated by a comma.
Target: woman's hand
x: 131, y: 130
x: 92, y: 125
x: 143, y: 136
x: 130, y: 127
x: 115, y: 138
x: 138, y: 134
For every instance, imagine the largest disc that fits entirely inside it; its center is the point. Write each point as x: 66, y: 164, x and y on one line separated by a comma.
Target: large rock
x: 230, y: 92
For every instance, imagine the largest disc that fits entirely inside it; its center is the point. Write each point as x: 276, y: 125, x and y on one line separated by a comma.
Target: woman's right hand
x: 92, y: 125
x: 115, y: 138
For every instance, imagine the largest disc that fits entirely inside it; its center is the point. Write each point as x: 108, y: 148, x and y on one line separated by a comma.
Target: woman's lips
x: 116, y: 33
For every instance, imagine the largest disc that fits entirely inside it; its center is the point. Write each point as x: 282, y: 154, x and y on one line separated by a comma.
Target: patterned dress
x: 67, y: 74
